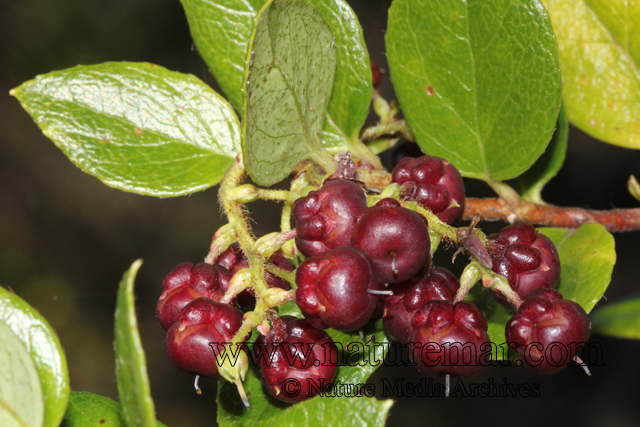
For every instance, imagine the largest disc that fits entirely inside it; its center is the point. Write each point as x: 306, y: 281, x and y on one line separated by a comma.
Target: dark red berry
x: 199, y: 324
x: 449, y: 338
x: 234, y: 260
x: 395, y: 239
x: 376, y: 74
x: 303, y: 354
x: 529, y: 260
x: 325, y: 218
x: 548, y: 331
x: 408, y: 297
x: 432, y: 182
x: 187, y: 282
x: 333, y: 289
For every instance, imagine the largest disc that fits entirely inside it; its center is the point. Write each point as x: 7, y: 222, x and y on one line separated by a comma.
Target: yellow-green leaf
x: 21, y: 401
x: 135, y: 126
x: 620, y: 319
x: 44, y: 348
x: 599, y: 47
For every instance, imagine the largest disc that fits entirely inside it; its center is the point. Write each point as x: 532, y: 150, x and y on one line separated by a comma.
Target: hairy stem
x: 236, y: 215
x: 390, y: 129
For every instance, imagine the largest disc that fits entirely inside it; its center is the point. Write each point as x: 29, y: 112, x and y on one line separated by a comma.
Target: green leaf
x: 131, y: 366
x: 359, y: 367
x: 599, y: 47
x: 333, y: 139
x: 587, y: 257
x: 21, y: 401
x: 290, y: 308
x: 547, y: 166
x: 288, y: 84
x: 135, y: 126
x: 478, y: 81
x: 45, y: 350
x: 221, y: 30
x: 268, y: 411
x: 620, y: 319
x: 91, y: 410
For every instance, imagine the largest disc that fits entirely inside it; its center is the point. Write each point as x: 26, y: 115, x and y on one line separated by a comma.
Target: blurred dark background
x: 66, y: 239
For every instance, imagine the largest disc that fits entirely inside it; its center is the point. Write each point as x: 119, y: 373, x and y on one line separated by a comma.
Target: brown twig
x: 615, y: 220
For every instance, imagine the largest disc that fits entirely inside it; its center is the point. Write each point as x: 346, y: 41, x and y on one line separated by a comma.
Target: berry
x: 376, y: 74
x: 432, y: 182
x: 408, y: 297
x: 304, y: 353
x: 448, y: 338
x: 234, y: 260
x: 547, y: 331
x: 395, y: 239
x: 325, y: 218
x: 333, y: 289
x: 528, y: 259
x: 201, y: 322
x: 187, y: 282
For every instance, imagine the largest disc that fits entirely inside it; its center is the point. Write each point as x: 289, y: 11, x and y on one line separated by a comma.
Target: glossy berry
x: 325, y: 218
x: 395, y: 239
x: 449, y: 338
x: 432, y: 182
x: 529, y: 260
x: 187, y: 282
x: 283, y: 358
x: 332, y: 289
x: 408, y: 297
x: 201, y: 322
x: 547, y: 331
x: 234, y: 260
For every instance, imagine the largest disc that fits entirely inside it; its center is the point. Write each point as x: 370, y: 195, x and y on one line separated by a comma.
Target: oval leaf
x: 620, y: 319
x: 547, y: 166
x: 21, y: 401
x: 131, y: 365
x: 91, y: 410
x: 43, y: 345
x: 478, y: 81
x: 288, y: 84
x: 587, y: 257
x: 135, y: 126
x: 599, y: 47
x: 221, y: 30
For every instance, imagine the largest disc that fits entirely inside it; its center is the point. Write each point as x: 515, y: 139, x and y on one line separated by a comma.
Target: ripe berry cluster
x: 364, y: 262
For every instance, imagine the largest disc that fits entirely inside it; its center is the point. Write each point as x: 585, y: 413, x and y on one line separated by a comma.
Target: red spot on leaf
x: 430, y: 90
